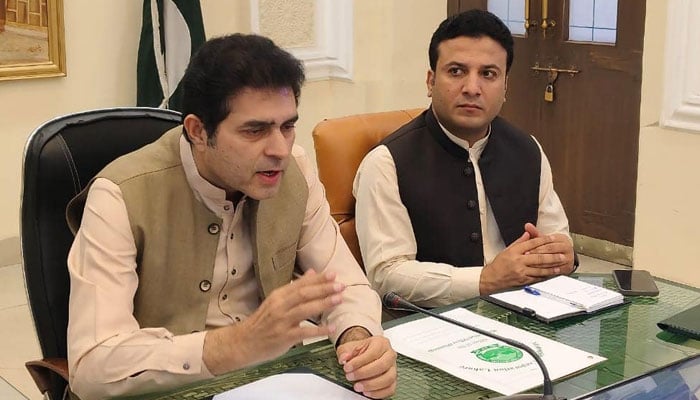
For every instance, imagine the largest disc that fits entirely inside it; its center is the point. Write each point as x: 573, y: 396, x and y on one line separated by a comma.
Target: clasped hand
x: 531, y: 258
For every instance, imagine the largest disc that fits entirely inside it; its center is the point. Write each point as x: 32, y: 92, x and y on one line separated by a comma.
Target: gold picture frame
x: 32, y: 42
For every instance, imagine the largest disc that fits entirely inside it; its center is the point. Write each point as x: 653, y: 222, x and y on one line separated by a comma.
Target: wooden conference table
x: 627, y: 336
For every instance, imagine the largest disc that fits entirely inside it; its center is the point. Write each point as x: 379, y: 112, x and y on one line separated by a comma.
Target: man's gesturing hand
x: 274, y: 327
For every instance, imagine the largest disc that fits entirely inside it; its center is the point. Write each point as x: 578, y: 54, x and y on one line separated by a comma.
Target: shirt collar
x: 214, y: 198
x: 476, y: 149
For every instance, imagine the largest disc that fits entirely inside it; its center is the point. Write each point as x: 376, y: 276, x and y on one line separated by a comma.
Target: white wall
x: 390, y: 58
x: 390, y: 63
x: 100, y: 54
x: 667, y: 226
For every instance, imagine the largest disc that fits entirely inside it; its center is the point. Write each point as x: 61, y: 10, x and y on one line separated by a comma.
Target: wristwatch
x: 575, y: 261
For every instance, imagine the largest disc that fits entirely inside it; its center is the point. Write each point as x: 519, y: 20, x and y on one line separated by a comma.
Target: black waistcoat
x: 437, y: 186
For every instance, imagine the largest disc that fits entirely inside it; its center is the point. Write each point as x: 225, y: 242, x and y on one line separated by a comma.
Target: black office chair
x: 60, y: 158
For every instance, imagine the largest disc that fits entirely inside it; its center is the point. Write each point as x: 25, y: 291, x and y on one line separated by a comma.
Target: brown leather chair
x: 341, y: 144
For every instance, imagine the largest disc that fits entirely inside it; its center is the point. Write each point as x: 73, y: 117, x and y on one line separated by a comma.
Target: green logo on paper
x: 497, y: 353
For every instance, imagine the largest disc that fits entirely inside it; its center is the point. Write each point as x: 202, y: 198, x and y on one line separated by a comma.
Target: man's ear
x: 194, y: 129
x: 430, y: 82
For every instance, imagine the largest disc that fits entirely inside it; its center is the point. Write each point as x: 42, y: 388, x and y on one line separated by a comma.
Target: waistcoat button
x: 471, y: 204
x: 468, y: 170
x: 204, y: 285
x: 214, y: 229
x: 474, y: 237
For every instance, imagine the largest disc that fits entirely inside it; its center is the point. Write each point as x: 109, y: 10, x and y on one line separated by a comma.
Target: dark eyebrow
x: 491, y: 66
x: 464, y: 66
x: 257, y: 124
x: 455, y: 64
x: 291, y: 120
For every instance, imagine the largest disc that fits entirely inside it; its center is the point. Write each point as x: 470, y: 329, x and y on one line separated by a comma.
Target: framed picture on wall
x: 31, y: 39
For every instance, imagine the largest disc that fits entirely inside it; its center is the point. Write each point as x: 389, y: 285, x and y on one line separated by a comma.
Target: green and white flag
x: 172, y: 31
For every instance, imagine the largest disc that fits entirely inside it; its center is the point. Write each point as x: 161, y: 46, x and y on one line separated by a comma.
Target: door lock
x: 552, y: 75
x: 549, y: 89
x: 549, y: 93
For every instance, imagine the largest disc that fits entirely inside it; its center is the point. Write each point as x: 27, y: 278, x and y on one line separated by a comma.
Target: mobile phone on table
x: 632, y: 282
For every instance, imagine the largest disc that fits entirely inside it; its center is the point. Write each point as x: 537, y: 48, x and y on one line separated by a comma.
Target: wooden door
x: 2, y: 15
x: 590, y: 132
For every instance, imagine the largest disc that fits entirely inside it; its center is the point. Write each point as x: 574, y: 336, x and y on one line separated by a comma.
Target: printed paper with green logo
x: 482, y: 360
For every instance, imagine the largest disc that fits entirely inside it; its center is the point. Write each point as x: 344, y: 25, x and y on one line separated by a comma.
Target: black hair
x: 473, y: 23
x: 224, y: 66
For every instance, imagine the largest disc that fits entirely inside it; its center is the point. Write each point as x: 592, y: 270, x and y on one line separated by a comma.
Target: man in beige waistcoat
x: 185, y: 252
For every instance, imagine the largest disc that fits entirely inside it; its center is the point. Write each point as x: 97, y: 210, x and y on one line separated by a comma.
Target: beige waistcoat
x: 176, y: 236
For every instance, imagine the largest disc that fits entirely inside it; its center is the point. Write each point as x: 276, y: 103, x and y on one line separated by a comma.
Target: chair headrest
x: 342, y: 143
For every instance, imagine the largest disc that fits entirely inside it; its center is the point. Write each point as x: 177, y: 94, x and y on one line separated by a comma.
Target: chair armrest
x: 41, y: 371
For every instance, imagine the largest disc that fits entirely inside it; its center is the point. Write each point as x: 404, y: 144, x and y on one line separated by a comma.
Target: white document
x: 578, y: 293
x: 290, y: 386
x: 482, y: 360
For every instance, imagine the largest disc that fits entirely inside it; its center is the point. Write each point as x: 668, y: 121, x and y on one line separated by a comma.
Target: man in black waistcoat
x: 459, y: 203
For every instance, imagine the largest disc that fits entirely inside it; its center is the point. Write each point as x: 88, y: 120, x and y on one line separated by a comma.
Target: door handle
x: 546, y: 22
x: 528, y: 22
